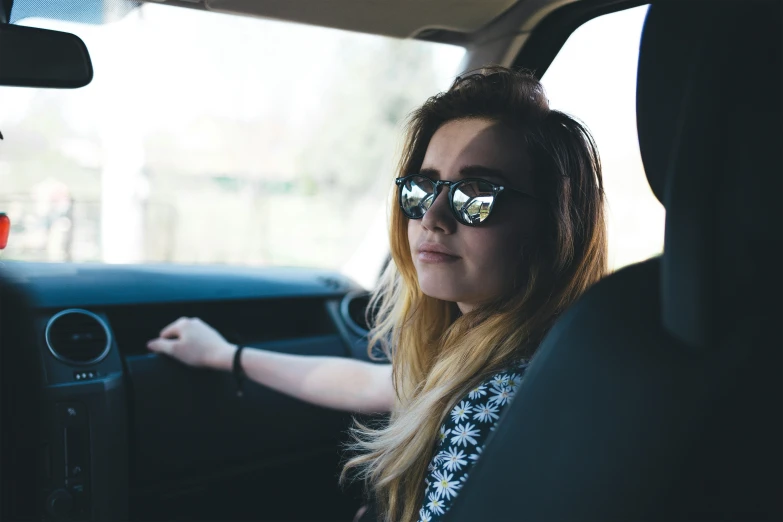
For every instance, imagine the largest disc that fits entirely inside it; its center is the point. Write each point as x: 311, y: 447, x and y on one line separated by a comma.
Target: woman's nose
x: 438, y: 216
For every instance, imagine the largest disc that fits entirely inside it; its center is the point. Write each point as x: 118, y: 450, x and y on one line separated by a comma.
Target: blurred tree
x: 348, y: 144
x: 33, y: 150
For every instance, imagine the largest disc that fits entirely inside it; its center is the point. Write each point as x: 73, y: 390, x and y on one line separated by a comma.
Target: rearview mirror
x: 32, y: 57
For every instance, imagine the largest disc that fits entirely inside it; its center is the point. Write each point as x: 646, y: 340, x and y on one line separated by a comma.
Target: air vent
x: 78, y: 337
x: 353, y: 310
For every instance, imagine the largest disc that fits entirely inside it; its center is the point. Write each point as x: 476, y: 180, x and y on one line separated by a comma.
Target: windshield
x: 211, y: 138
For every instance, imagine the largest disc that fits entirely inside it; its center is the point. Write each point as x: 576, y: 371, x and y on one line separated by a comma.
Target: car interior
x: 658, y: 396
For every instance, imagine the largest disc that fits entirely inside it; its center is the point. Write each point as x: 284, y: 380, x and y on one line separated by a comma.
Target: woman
x: 497, y: 227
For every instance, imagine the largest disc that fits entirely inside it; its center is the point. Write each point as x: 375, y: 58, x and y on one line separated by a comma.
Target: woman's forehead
x: 476, y: 142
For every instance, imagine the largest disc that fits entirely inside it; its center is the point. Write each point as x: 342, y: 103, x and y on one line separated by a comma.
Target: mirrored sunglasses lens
x: 416, y: 196
x: 473, y: 202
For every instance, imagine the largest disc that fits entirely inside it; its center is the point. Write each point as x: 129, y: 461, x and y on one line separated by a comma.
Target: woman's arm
x: 332, y: 382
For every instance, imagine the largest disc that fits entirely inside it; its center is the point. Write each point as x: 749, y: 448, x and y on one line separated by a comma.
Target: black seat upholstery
x: 658, y: 396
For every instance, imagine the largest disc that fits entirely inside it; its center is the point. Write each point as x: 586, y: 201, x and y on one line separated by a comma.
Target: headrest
x: 709, y: 123
x: 678, y: 37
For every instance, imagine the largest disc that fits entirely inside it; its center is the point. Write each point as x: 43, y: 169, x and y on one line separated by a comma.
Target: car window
x: 593, y: 78
x: 213, y: 138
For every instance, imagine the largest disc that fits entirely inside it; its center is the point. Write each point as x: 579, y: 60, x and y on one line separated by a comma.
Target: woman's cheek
x: 501, y: 249
x: 413, y: 234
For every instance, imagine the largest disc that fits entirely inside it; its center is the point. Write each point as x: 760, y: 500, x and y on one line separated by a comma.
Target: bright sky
x: 594, y: 75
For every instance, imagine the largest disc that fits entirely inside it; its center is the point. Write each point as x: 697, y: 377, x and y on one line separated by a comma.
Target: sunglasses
x: 471, y: 200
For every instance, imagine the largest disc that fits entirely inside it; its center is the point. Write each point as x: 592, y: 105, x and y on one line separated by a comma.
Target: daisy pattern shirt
x: 460, y: 441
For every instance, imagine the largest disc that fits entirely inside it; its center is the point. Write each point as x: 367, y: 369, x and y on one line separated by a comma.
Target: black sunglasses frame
x: 452, y: 185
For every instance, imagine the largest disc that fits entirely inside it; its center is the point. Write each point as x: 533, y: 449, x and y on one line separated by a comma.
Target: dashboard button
x: 71, y: 413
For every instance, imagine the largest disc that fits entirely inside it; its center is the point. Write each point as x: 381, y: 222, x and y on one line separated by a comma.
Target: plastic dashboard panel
x: 215, y: 430
x: 64, y: 285
x: 153, y: 428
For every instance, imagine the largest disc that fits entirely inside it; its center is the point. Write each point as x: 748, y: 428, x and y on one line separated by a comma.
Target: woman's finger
x: 174, y: 329
x: 165, y: 346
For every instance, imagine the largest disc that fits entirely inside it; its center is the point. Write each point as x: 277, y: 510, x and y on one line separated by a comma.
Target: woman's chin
x: 444, y: 292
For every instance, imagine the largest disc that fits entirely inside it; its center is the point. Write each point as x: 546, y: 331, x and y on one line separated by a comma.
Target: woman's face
x: 484, y: 260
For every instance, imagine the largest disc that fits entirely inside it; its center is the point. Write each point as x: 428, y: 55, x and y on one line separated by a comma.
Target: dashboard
x: 131, y: 435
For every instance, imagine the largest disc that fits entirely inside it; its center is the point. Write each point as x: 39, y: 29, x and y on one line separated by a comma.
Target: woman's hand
x: 195, y: 343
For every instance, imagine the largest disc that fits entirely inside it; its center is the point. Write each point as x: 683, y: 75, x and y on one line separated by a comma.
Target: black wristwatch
x: 239, y: 373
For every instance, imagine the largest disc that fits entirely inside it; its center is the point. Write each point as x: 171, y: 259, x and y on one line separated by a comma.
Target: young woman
x: 497, y: 226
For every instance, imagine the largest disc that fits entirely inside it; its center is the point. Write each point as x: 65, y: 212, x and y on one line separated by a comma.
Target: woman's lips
x: 436, y: 257
x: 436, y: 253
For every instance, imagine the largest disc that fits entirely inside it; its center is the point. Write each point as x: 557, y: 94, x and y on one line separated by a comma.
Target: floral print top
x: 461, y: 439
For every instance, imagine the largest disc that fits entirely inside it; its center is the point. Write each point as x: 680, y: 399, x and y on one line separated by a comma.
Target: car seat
x: 658, y: 395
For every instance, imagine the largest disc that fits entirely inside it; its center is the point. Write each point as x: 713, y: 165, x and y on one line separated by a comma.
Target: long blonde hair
x: 439, y: 355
